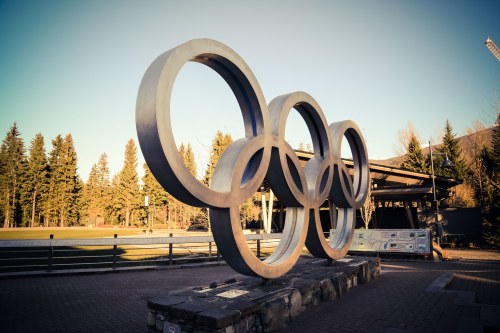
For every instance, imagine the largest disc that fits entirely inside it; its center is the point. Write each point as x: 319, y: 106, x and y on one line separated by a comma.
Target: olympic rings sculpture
x: 262, y: 154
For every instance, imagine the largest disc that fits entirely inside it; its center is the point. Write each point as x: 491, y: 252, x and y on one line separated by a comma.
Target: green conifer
x: 97, y: 193
x: 65, y: 187
x: 450, y: 148
x: 71, y: 187
x: 12, y: 166
x: 90, y: 194
x: 219, y: 144
x: 36, y: 182
x: 187, y: 156
x: 128, y: 187
x: 414, y: 159
x: 51, y: 207
x: 158, y: 197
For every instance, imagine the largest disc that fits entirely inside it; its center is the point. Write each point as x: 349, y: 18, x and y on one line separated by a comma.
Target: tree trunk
x: 14, y: 206
x: 6, y: 223
x: 33, y: 206
x: 63, y: 215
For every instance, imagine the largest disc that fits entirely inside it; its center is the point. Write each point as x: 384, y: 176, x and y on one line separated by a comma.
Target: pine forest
x: 40, y: 186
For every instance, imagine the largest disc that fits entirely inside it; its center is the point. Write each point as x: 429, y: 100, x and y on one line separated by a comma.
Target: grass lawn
x: 77, y: 256
x: 60, y: 233
x: 12, y: 259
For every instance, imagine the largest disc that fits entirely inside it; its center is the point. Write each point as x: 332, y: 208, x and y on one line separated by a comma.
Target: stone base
x: 250, y: 304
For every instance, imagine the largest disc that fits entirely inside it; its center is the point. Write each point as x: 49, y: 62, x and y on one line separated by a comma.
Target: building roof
x: 397, y: 184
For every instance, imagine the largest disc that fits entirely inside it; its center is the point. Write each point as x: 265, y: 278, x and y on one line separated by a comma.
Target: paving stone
x: 117, y: 302
x: 164, y: 303
x: 217, y: 318
x: 296, y: 307
x: 188, y: 310
x: 327, y: 290
x: 273, y: 314
x: 245, y: 307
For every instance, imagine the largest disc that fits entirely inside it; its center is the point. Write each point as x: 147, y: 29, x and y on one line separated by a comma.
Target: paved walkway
x: 400, y: 301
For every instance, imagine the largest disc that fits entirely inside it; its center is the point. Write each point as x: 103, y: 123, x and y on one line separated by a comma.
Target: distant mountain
x: 394, y: 162
x: 483, y: 136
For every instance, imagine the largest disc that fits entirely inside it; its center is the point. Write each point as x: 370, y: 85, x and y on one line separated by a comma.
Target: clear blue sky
x: 75, y: 67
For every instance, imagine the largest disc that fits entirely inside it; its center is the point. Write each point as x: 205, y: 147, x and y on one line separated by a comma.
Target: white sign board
x: 390, y: 240
x: 233, y: 293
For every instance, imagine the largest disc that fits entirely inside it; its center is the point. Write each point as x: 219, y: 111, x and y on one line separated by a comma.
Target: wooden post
x: 51, y: 254
x: 258, y: 245
x: 115, y: 247
x: 170, y: 251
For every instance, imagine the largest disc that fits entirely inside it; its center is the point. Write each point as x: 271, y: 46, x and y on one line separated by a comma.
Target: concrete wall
x: 466, y: 221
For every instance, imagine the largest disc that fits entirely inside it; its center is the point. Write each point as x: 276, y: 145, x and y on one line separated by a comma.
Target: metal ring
x: 262, y: 153
x: 153, y: 115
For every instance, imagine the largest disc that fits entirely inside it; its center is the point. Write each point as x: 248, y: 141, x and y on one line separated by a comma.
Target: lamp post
x: 146, y: 204
x: 446, y: 164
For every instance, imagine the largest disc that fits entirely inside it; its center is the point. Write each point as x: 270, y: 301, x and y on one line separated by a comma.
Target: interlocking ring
x: 262, y: 153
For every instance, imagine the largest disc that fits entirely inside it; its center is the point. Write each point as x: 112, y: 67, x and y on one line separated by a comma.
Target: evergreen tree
x: 187, y: 156
x: 12, y: 166
x: 115, y: 213
x: 77, y: 206
x: 51, y: 207
x: 90, y: 195
x: 187, y: 213
x: 71, y: 185
x: 491, y: 216
x: 479, y: 159
x: 496, y: 148
x: 219, y: 144
x: 104, y: 186
x: 36, y: 182
x: 158, y: 197
x: 128, y: 187
x: 61, y: 207
x: 450, y: 148
x: 97, y: 192
x: 414, y: 158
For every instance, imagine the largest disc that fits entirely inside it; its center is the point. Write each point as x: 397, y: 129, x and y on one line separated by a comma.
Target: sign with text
x: 416, y: 241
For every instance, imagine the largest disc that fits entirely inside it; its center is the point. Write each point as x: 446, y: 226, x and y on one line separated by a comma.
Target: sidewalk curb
x: 90, y: 271
x: 441, y: 282
x: 489, y: 314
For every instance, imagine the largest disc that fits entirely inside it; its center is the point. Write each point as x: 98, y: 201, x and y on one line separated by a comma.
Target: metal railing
x: 112, y: 253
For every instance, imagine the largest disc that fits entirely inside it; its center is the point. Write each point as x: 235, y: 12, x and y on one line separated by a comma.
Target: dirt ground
x: 472, y: 254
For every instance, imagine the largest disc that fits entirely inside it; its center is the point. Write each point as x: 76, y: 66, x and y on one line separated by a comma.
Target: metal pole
x: 436, y: 211
x: 115, y: 247
x: 170, y: 248
x: 258, y: 245
x: 264, y: 210
x: 270, y: 212
x: 51, y: 253
x: 146, y: 206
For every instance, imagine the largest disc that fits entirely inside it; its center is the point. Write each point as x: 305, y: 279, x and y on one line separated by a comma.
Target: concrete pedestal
x: 247, y: 304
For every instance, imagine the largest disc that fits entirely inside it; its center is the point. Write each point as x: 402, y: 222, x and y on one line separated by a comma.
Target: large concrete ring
x: 346, y: 194
x: 154, y: 126
x: 318, y: 170
x: 262, y: 153
x: 240, y: 170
